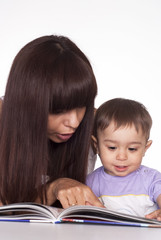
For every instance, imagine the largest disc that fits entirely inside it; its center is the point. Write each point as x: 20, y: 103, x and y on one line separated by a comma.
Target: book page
x: 103, y: 214
x: 30, y: 211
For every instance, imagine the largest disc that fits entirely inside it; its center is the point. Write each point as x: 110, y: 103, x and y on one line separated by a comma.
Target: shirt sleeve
x: 155, y: 187
x: 92, y: 181
x: 92, y: 157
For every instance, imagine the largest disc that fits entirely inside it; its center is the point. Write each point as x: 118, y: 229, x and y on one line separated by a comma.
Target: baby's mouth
x: 121, y: 168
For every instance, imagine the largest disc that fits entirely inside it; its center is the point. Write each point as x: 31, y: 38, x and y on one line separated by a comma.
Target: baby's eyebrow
x: 139, y: 143
x: 114, y: 141
x: 111, y: 141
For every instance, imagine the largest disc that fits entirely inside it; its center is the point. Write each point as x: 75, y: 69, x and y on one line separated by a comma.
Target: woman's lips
x: 64, y: 137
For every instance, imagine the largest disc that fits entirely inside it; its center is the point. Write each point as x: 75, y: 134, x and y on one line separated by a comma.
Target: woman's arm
x: 71, y: 192
x: 1, y: 105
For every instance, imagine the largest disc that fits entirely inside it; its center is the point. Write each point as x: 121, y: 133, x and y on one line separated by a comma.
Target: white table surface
x: 41, y: 231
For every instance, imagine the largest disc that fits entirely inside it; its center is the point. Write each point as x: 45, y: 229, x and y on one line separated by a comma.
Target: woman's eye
x: 59, y: 111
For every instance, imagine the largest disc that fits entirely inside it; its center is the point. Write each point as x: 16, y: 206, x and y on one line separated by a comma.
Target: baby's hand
x: 154, y: 215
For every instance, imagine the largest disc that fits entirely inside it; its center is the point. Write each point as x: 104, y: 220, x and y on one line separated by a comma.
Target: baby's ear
x: 94, y: 144
x: 149, y: 143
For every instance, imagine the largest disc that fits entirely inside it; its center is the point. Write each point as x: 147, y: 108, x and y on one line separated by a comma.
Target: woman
x: 45, y: 125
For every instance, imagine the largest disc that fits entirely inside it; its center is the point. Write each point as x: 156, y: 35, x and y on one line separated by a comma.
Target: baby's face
x: 121, y: 150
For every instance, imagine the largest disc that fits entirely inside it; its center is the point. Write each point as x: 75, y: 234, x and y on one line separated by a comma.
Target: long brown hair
x: 49, y: 74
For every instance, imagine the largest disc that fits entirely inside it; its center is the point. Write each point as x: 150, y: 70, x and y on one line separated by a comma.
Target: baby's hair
x: 123, y: 112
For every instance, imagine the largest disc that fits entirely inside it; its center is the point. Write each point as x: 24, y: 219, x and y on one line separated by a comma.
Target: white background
x: 122, y: 39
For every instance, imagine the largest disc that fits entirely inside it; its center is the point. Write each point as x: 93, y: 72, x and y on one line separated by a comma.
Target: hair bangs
x: 74, y: 84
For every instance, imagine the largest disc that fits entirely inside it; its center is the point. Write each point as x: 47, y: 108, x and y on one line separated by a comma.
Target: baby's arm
x: 156, y: 214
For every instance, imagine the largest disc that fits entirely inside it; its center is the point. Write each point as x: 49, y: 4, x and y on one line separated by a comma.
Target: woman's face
x: 61, y: 126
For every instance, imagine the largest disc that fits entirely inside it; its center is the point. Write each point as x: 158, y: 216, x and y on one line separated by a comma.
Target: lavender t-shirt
x: 135, y: 193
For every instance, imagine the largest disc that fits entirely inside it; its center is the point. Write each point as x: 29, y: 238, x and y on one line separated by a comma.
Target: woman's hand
x: 71, y: 192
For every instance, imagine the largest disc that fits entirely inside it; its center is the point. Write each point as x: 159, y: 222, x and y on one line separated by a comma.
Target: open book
x: 31, y: 212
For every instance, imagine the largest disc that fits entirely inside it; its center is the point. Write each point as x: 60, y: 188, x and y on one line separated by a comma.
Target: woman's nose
x: 72, y: 119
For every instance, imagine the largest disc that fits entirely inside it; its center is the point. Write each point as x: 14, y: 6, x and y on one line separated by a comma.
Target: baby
x: 121, y: 138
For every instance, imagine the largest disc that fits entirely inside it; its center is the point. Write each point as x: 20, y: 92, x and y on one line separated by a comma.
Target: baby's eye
x: 132, y: 149
x: 111, y: 148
